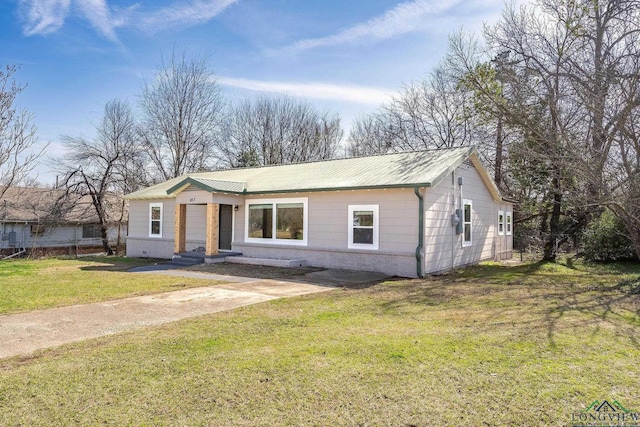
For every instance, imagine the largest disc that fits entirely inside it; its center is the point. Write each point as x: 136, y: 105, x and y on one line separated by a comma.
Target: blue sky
x: 345, y: 56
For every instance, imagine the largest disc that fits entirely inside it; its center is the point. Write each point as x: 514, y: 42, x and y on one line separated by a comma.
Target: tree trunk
x: 544, y: 223
x: 105, y: 240
x: 634, y: 235
x: 123, y: 207
x: 551, y: 245
x: 498, y: 159
x: 119, y: 238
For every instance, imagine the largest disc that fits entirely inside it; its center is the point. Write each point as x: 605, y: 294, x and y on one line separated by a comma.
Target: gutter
x: 163, y: 194
x: 420, y: 232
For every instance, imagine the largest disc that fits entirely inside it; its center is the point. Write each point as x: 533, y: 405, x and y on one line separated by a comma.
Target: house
x: 52, y: 221
x: 405, y: 214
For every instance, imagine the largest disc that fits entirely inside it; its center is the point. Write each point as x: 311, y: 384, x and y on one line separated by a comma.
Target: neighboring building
x: 406, y: 214
x: 47, y: 221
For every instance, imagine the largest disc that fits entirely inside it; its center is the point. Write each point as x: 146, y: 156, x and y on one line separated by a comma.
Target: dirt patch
x: 257, y: 271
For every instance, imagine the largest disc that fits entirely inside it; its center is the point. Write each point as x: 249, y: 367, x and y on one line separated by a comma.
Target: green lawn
x: 35, y: 284
x: 496, y: 345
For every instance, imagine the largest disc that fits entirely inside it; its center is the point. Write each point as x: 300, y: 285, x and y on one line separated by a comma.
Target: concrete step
x: 191, y: 254
x: 186, y: 260
x: 199, y: 257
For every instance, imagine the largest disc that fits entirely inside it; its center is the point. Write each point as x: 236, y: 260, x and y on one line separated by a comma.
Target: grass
x: 521, y: 345
x: 37, y: 284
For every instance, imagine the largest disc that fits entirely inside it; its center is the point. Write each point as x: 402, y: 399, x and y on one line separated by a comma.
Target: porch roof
x: 211, y: 185
x: 398, y: 170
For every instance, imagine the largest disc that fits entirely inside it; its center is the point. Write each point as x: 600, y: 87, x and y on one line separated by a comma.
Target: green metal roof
x: 399, y: 170
x: 210, y: 185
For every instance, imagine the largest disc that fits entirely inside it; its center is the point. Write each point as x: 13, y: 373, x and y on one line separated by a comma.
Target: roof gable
x: 488, y: 181
x: 211, y: 185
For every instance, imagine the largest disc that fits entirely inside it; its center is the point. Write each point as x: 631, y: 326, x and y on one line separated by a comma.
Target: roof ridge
x: 215, y: 179
x: 308, y: 162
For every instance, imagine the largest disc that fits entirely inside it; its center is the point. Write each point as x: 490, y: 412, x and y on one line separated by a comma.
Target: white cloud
x: 47, y: 16
x: 349, y: 93
x: 404, y: 18
x: 43, y: 16
x: 183, y: 15
x: 98, y: 14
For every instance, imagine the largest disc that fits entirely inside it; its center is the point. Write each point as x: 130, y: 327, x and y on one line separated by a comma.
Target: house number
x: 191, y: 200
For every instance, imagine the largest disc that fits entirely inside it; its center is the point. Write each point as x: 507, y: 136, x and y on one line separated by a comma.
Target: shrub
x: 606, y: 239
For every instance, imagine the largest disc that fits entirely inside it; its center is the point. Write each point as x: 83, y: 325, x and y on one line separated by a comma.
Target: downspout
x: 420, y: 232
x: 453, y: 232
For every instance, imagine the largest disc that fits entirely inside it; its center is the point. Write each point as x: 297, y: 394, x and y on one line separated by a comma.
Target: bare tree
x: 572, y: 92
x: 17, y: 134
x: 605, y: 76
x: 103, y: 167
x: 277, y: 130
x: 431, y: 113
x: 182, y: 116
x: 366, y: 137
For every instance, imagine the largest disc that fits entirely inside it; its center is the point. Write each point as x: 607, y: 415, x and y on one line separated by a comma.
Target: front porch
x: 213, y: 221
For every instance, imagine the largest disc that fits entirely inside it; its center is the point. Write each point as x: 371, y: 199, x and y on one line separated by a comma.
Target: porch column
x: 180, y: 239
x: 213, y: 219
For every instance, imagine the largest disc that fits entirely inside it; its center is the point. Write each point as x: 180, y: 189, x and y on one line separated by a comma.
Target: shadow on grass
x: 554, y: 297
x: 616, y: 306
x: 494, y: 272
x: 105, y: 263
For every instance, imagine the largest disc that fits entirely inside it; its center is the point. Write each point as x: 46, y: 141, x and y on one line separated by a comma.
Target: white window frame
x: 376, y: 227
x: 501, y: 223
x: 466, y: 224
x: 274, y: 240
x: 151, y: 206
x: 509, y: 223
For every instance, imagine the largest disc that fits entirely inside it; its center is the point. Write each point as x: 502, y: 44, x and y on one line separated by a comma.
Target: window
x: 277, y: 221
x: 466, y: 222
x: 91, y: 231
x: 363, y: 227
x: 290, y: 221
x: 155, y: 220
x: 261, y: 221
x: 509, y: 220
x: 501, y: 222
x: 37, y: 229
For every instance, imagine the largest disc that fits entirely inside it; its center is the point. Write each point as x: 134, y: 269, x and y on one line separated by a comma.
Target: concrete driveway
x: 24, y: 333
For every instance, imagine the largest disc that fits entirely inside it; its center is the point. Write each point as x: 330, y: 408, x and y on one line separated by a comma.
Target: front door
x: 226, y: 227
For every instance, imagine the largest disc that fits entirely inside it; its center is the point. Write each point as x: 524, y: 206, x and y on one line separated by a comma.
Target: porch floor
x: 199, y: 257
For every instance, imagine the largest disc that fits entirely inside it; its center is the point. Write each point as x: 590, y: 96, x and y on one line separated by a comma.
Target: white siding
x: 328, y: 226
x: 440, y: 237
x: 328, y: 218
x: 328, y: 230
x: 443, y: 247
x: 194, y: 195
x: 139, y: 244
